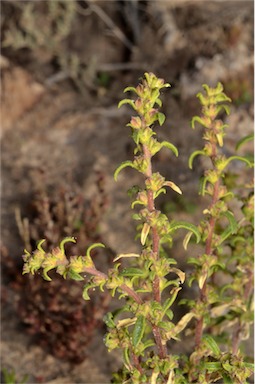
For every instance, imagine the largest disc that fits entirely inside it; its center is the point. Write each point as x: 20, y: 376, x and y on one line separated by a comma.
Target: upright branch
x: 146, y: 327
x: 213, y: 104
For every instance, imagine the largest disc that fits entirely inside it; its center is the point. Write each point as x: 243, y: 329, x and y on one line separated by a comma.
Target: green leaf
x: 132, y: 272
x: 66, y: 240
x: 131, y: 89
x: 74, y: 275
x: 197, y: 119
x: 212, y: 345
x: 213, y: 366
x: 127, y: 358
x: 240, y: 158
x: 125, y: 164
x: 193, y: 155
x: 159, y: 102
x: 183, y: 224
x: 227, y: 379
x: 45, y: 275
x: 39, y: 245
x: 95, y: 245
x: 244, y: 140
x: 127, y: 101
x: 88, y: 286
x: 170, y: 146
x: 232, y: 221
x: 138, y: 331
x: 161, y: 118
x: 202, y: 185
x: 168, y: 303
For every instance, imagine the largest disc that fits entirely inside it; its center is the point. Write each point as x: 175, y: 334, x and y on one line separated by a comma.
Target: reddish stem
x: 208, y: 251
x: 129, y: 291
x: 162, y: 350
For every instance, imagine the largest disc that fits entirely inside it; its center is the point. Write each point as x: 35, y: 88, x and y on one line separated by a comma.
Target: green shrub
x: 219, y: 318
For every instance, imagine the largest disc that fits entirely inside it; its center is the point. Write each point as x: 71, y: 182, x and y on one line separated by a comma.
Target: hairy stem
x: 208, y: 251
x: 162, y: 350
x: 129, y: 291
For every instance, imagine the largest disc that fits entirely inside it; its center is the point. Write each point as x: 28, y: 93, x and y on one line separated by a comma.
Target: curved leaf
x: 131, y: 89
x: 94, y: 246
x: 125, y: 164
x: 170, y: 146
x: 174, y: 187
x: 126, y: 255
x: 127, y: 101
x: 66, y: 240
x: 193, y: 155
x: 198, y: 119
x: 232, y: 221
x: 168, y: 303
x: 244, y: 140
x: 186, y: 240
x: 183, y: 224
x: 202, y: 185
x: 240, y: 158
x: 39, y: 246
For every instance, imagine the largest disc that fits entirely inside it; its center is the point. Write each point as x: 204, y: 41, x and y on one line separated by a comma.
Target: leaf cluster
x: 144, y: 328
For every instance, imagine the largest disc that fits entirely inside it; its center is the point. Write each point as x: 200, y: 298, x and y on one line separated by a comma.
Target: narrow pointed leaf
x: 95, y: 245
x: 170, y: 146
x: 186, y: 240
x: 125, y: 164
x: 174, y: 187
x: 132, y: 272
x: 244, y: 140
x: 138, y: 331
x: 232, y: 221
x: 66, y: 240
x: 180, y: 325
x: 192, y: 157
x: 126, y: 101
x: 39, y: 245
x: 145, y: 232
x: 131, y: 89
x: 240, y: 158
x: 212, y: 345
x: 182, y: 224
x: 124, y: 255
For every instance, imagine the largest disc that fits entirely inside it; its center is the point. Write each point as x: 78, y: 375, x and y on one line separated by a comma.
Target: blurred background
x: 64, y: 65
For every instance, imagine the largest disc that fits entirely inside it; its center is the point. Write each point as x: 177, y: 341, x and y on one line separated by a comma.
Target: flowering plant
x: 144, y: 327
